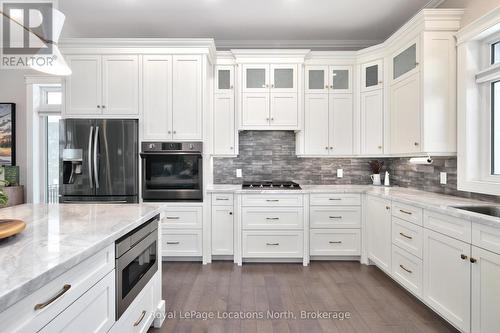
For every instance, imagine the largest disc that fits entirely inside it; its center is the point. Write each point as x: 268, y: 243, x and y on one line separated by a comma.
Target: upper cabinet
x: 405, y: 62
x: 224, y: 133
x: 269, y: 98
x: 340, y: 79
x: 103, y: 86
x: 324, y: 79
x: 372, y: 75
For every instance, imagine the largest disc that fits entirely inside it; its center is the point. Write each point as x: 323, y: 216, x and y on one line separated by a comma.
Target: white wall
x: 473, y: 8
x: 13, y: 90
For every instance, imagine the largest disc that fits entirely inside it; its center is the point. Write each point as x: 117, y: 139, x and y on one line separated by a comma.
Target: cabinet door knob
x: 231, y: 148
x: 104, y: 106
x: 98, y: 106
x: 473, y: 260
x: 331, y: 148
x: 331, y: 87
x: 379, y: 147
x: 175, y: 132
x: 416, y: 143
x: 326, y: 87
x: 463, y: 256
x: 230, y: 213
x: 387, y: 207
x: 326, y: 148
x: 272, y: 85
x: 272, y: 118
x: 169, y: 132
x: 231, y: 87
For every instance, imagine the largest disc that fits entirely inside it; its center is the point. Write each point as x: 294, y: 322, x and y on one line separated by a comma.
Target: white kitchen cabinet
x: 187, y: 97
x: 224, y: 109
x: 406, y: 61
x: 372, y: 122
x: 328, y: 128
x: 335, y: 242
x: 222, y: 230
x: 103, y: 86
x: 378, y: 224
x: 84, y: 86
x: 372, y: 75
x: 316, y: 79
x: 447, y: 278
x: 485, y: 291
x: 405, y: 115
x: 120, y: 88
x: 269, y: 97
x: 341, y: 124
x: 93, y: 312
x: 340, y: 79
x: 316, y: 124
x: 157, y: 97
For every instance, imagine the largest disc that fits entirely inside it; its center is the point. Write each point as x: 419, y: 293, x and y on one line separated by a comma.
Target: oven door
x: 134, y: 269
x: 172, y: 176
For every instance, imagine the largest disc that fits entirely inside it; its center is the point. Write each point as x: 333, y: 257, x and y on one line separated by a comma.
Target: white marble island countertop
x: 58, y: 237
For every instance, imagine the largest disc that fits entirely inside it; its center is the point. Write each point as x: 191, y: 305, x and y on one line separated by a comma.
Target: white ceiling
x: 243, y: 23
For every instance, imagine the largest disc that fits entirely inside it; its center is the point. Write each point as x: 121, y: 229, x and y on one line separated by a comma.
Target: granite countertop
x: 58, y: 237
x: 440, y: 203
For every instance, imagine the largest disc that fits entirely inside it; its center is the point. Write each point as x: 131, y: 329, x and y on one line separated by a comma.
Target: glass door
x: 371, y: 75
x: 224, y: 79
x: 316, y: 79
x: 340, y: 78
x: 405, y: 62
x: 283, y: 78
x: 255, y: 78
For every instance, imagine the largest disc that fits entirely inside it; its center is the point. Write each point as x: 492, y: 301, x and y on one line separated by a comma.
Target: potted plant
x: 376, y: 168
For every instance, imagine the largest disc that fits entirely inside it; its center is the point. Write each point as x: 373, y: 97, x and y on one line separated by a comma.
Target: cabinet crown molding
x: 270, y: 55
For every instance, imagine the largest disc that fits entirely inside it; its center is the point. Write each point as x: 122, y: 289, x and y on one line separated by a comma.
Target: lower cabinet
x: 407, y: 270
x: 485, y: 291
x: 93, y: 312
x: 447, y: 278
x: 335, y: 242
x: 182, y: 231
x: 222, y: 230
x: 378, y: 224
x: 273, y: 244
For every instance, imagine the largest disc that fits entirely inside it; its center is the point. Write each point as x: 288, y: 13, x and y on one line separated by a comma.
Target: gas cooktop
x: 271, y: 185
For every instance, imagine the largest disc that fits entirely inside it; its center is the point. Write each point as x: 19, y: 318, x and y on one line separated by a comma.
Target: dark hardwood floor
x: 375, y: 303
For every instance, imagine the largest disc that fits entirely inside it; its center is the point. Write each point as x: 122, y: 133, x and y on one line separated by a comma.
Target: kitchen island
x: 63, y: 243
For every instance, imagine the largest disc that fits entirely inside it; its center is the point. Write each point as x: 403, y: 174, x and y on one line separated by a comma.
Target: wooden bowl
x: 11, y: 227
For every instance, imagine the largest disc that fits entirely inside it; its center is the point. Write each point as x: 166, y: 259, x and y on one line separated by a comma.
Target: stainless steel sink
x: 485, y: 210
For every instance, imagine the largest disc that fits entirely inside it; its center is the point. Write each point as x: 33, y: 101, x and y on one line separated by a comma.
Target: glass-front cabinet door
x: 316, y: 79
x: 340, y: 79
x: 372, y: 75
x: 256, y: 78
x: 405, y: 62
x: 283, y: 78
x: 224, y: 79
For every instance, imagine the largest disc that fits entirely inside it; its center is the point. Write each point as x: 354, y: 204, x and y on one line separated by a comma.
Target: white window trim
x: 474, y: 76
x: 44, y: 106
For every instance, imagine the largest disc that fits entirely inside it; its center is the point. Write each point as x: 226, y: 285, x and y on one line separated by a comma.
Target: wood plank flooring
x: 375, y: 302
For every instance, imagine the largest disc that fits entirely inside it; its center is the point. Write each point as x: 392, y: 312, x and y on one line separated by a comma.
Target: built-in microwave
x: 172, y: 171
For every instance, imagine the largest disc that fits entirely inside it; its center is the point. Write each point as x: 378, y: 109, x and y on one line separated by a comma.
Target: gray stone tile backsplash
x: 270, y: 155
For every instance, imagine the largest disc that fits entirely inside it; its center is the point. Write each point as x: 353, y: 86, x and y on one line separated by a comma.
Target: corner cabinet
x: 328, y: 111
x: 378, y: 224
x: 372, y: 108
x: 172, y: 97
x: 423, y: 95
x: 102, y: 85
x: 224, y: 132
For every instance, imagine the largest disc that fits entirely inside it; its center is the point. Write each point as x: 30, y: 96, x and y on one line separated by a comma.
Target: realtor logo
x: 27, y: 28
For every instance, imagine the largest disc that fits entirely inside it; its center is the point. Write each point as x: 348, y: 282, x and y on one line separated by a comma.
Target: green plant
x: 4, y: 198
x: 376, y: 166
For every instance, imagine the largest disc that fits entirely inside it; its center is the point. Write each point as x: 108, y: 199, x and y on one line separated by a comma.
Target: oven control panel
x: 171, y: 146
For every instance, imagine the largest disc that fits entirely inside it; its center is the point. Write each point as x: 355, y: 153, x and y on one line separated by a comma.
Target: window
x: 50, y: 98
x: 495, y: 128
x: 495, y: 53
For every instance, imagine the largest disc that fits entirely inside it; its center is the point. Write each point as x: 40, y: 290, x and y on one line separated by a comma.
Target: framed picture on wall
x: 7, y: 134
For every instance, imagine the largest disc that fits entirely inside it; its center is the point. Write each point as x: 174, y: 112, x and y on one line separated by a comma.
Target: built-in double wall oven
x: 172, y: 171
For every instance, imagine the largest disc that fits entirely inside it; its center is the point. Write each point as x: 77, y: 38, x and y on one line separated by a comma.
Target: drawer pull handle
x: 172, y: 217
x: 335, y: 217
x: 173, y: 243
x: 334, y: 199
x: 405, y: 236
x: 405, y: 212
x: 273, y: 244
x: 405, y: 269
x: 335, y: 242
x: 272, y: 218
x: 140, y: 318
x: 222, y: 199
x: 272, y: 200
x: 64, y: 289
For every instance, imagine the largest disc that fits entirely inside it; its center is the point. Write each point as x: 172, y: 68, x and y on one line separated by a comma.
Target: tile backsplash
x: 270, y: 155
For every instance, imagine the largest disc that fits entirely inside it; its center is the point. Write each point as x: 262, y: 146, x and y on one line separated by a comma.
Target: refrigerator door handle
x: 96, y: 172
x: 90, y: 156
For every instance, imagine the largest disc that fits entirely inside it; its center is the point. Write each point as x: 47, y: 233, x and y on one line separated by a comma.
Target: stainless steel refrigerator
x: 98, y: 160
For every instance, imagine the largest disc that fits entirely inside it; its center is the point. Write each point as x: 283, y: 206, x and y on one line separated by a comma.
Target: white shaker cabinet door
x: 84, y: 86
x: 120, y: 87
x: 378, y: 223
x: 316, y: 124
x: 447, y: 278
x: 255, y: 110
x: 341, y: 124
x: 224, y: 132
x: 157, y: 97
x: 405, y: 116
x: 485, y: 291
x: 187, y: 98
x: 284, y: 110
x: 222, y: 230
x: 372, y: 122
